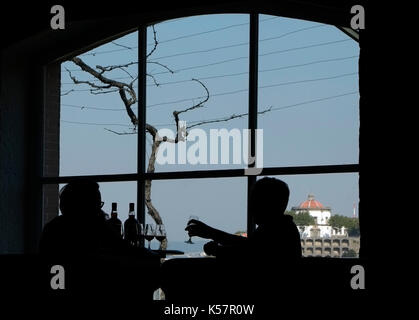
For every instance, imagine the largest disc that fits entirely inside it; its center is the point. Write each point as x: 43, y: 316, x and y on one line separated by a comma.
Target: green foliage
x: 353, y: 232
x: 301, y: 219
x: 352, y: 224
x: 336, y: 221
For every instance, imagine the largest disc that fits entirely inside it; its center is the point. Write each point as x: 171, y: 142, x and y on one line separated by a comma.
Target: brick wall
x: 51, y: 139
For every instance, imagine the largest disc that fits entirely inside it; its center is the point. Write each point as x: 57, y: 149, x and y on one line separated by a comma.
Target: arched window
x: 215, y: 76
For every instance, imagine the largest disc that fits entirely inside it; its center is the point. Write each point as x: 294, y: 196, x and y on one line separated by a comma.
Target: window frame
x: 141, y: 176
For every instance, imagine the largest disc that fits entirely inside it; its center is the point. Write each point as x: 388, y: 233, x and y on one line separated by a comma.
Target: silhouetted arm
x: 238, y: 249
x: 227, y: 239
x: 200, y: 229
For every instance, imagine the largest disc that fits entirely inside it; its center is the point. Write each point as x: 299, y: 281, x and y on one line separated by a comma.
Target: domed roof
x: 311, y: 203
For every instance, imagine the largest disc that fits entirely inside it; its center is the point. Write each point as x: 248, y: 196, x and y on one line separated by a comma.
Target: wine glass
x: 190, y: 218
x: 160, y: 233
x: 149, y: 233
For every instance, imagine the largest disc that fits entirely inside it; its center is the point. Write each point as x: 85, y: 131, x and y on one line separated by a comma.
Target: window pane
x: 221, y: 203
x: 308, y: 89
x: 213, y: 50
x: 97, y: 135
x: 332, y: 201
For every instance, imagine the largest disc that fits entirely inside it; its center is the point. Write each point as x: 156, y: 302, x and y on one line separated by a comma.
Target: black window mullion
x: 142, y: 70
x: 225, y: 173
x: 253, y: 97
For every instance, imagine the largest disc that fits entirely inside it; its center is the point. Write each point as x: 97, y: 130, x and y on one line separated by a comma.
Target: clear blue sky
x: 307, y: 74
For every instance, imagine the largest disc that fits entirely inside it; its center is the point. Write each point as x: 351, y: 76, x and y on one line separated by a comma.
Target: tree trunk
x: 152, y: 211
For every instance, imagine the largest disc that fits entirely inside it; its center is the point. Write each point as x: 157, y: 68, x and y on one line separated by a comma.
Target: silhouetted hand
x: 199, y: 229
x: 210, y: 248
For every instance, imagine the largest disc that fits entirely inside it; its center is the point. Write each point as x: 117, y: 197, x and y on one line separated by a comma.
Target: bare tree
x: 126, y: 90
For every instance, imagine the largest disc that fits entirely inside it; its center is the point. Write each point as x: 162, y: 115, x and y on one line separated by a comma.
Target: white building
x: 321, y: 215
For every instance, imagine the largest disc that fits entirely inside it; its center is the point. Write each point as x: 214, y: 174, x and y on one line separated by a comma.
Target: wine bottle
x: 132, y: 227
x: 131, y: 211
x: 114, y: 222
x: 114, y: 208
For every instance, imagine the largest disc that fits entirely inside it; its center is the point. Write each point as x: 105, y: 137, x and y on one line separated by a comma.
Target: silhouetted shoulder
x: 280, y: 238
x: 53, y: 234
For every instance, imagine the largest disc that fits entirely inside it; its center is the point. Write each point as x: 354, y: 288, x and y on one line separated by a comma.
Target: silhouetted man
x: 264, y: 265
x: 82, y: 227
x: 276, y: 233
x: 95, y: 257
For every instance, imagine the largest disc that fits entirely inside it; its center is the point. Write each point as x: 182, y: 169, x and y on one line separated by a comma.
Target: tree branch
x: 92, y: 84
x: 155, y: 42
x: 120, y: 133
x: 199, y: 104
x: 154, y: 79
x: 66, y: 93
x: 181, y: 132
x: 161, y: 65
x: 121, y: 66
x: 233, y: 116
x: 96, y: 91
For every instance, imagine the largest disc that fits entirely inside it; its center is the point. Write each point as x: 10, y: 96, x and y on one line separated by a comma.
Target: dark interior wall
x: 21, y: 82
x: 22, y: 87
x: 13, y: 153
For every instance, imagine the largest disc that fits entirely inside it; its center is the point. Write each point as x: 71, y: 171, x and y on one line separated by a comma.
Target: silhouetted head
x: 80, y: 198
x: 268, y: 199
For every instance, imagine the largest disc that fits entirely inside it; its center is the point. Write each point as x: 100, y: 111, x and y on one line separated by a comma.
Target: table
x: 164, y: 253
